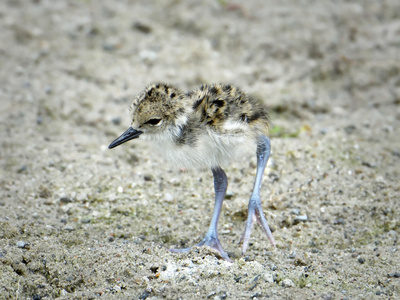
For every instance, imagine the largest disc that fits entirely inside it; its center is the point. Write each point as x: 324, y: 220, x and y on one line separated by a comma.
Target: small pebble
x: 394, y: 275
x: 148, y: 177
x: 142, y: 27
x: 147, y: 55
x: 116, y: 121
x: 339, y: 221
x: 350, y: 129
x: 229, y: 194
x: 168, y: 197
x: 65, y: 200
x: 81, y: 196
x: 268, y: 277
x: 302, y: 218
x: 296, y: 211
x: 117, y: 288
x: 274, y: 268
x: 22, y: 169
x: 21, y: 244
x: 361, y: 260
x: 368, y: 164
x: 287, y: 283
x: 69, y: 228
x: 111, y: 44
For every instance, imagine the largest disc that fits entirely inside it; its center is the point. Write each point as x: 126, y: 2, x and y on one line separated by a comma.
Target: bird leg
x: 254, y: 209
x: 211, y: 238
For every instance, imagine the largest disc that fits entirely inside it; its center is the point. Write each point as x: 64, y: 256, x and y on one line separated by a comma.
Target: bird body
x: 210, y: 126
x: 206, y: 128
x: 210, y: 150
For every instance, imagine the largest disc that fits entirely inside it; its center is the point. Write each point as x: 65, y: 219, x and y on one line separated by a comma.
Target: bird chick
x: 206, y: 128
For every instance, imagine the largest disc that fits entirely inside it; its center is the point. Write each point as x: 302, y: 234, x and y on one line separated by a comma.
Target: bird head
x: 157, y: 113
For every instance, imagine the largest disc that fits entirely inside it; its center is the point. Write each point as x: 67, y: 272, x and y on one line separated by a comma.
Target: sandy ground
x: 80, y: 221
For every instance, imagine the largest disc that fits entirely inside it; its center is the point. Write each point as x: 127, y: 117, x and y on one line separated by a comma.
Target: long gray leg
x: 255, y: 209
x: 211, y: 238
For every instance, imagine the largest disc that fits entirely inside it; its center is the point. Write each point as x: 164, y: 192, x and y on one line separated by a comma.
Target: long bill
x: 128, y: 135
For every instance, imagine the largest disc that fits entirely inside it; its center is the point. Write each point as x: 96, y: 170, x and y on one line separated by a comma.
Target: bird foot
x: 255, y: 213
x: 210, y: 241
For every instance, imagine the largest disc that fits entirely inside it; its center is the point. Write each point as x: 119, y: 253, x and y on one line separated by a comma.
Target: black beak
x: 128, y: 135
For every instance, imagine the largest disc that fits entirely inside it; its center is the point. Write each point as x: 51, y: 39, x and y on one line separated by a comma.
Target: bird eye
x: 154, y: 122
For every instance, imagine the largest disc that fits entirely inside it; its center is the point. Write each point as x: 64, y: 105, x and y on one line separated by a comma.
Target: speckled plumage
x: 208, y: 127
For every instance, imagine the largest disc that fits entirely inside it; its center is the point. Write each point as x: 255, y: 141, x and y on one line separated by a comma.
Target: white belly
x: 209, y: 150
